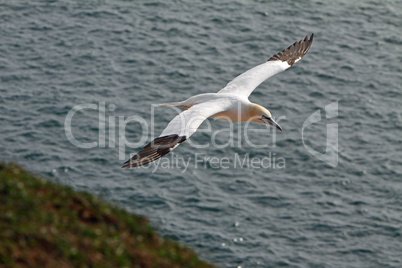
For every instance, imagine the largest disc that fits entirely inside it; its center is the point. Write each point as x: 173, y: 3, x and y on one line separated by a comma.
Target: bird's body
x: 230, y: 103
x: 236, y: 104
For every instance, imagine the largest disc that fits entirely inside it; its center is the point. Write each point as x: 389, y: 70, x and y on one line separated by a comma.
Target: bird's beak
x: 270, y: 121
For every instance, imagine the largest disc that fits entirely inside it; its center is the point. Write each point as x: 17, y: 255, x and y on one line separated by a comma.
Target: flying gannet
x: 230, y: 103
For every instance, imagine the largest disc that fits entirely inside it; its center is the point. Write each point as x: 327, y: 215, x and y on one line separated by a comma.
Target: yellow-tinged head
x: 261, y: 115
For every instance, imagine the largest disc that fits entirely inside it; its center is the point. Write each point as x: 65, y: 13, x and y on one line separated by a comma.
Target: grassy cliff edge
x: 43, y: 224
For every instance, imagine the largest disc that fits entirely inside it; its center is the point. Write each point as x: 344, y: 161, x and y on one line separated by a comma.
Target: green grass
x: 43, y: 224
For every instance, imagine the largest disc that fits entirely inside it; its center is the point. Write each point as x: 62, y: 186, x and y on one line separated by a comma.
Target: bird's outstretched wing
x: 177, y: 131
x: 245, y: 83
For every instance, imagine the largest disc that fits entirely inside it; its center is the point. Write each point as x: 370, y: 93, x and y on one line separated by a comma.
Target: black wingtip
x: 294, y: 52
x: 154, y: 150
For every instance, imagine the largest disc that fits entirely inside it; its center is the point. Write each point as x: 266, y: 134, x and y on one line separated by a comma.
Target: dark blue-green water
x: 127, y: 55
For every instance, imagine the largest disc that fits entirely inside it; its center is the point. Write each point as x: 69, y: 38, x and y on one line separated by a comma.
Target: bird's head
x: 260, y: 114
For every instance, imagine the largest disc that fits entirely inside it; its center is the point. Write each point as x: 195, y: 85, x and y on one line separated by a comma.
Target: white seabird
x: 230, y: 103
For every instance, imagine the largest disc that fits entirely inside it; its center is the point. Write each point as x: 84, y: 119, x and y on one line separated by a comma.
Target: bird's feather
x: 245, y: 83
x: 177, y: 131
